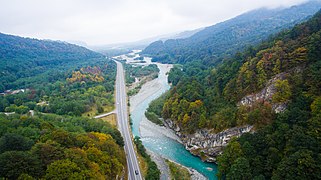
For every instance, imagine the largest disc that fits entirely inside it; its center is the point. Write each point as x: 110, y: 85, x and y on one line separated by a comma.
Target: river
x: 158, y: 139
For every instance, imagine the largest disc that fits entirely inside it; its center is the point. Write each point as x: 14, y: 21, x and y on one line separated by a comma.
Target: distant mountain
x: 228, y: 37
x: 181, y: 35
x: 25, y: 57
x: 141, y: 44
x: 17, y: 47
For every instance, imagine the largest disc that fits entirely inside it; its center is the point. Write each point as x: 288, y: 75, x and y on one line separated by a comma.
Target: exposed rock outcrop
x: 206, y: 144
x: 266, y: 94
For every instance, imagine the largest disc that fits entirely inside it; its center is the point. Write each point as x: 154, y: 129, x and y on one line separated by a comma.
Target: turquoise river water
x: 165, y: 146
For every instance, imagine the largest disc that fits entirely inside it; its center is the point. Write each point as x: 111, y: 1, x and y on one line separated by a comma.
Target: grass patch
x: 94, y: 112
x: 111, y: 119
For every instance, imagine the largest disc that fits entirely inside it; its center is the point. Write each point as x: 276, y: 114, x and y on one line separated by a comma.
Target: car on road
x: 136, y: 172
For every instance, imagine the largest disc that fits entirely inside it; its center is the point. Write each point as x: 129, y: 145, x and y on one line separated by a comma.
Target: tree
x: 100, y: 108
x: 63, y: 169
x: 48, y: 152
x: 261, y: 77
x: 232, y: 152
x: 14, y: 142
x: 300, y: 165
x: 316, y: 107
x: 283, y: 91
x: 240, y: 170
x: 15, y: 163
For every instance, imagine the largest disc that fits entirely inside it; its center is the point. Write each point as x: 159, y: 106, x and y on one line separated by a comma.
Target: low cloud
x: 99, y: 22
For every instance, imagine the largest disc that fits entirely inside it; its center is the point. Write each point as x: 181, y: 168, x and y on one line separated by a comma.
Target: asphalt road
x: 123, y: 124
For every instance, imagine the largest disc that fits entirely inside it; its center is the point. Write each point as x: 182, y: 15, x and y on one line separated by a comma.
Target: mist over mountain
x: 141, y: 44
x: 228, y: 37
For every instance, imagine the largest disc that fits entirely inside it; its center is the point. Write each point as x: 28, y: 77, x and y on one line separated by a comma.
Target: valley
x: 235, y: 98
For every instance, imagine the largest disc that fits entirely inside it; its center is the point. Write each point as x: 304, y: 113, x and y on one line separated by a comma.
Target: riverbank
x: 149, y: 130
x: 162, y: 143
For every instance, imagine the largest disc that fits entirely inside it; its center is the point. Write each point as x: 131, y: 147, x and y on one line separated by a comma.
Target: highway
x: 123, y: 125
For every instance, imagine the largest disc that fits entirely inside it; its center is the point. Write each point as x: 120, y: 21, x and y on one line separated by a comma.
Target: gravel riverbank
x: 149, y: 130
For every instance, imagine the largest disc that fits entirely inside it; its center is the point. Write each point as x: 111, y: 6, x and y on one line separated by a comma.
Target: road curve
x: 134, y: 172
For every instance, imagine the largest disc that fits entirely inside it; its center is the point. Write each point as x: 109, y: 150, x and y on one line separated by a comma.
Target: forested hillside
x: 56, y: 77
x: 214, y: 43
x: 207, y: 97
x: 50, y: 78
x: 289, y: 147
x: 59, y: 147
x: 25, y: 58
x: 286, y: 145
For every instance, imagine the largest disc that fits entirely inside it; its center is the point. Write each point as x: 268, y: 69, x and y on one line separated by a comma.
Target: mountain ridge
x: 226, y: 38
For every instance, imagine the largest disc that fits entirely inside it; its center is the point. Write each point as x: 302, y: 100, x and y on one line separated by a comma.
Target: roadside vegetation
x: 153, y: 172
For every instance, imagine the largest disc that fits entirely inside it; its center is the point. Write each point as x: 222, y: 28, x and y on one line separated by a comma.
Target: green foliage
x: 63, y: 97
x: 231, y: 153
x: 240, y: 170
x: 25, y: 62
x: 63, y: 169
x: 283, y: 91
x: 138, y: 71
x: 17, y: 109
x: 14, y: 142
x: 316, y: 107
x: 66, y: 148
x: 220, y: 88
x: 205, y: 95
x: 155, y: 108
x: 288, y: 148
x: 175, y: 74
x: 153, y: 172
x: 62, y: 78
x: 300, y: 165
x: 15, y: 163
x: 153, y: 118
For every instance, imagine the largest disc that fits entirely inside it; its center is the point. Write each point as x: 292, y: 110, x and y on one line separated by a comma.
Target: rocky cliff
x: 266, y: 94
x: 205, y: 143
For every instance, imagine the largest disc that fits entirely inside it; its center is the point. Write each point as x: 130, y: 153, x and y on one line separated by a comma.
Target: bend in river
x: 158, y: 139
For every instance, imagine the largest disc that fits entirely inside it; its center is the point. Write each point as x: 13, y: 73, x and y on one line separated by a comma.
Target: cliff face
x: 265, y: 95
x: 206, y: 144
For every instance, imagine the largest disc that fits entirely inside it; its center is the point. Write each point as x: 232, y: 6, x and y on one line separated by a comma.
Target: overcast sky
x: 99, y: 22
